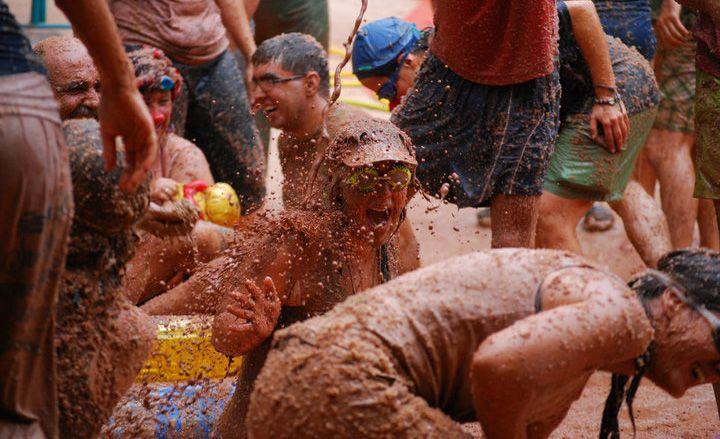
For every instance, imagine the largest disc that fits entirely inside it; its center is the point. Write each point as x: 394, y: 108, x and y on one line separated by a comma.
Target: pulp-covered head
x: 73, y: 76
x: 682, y: 299
x: 386, y: 55
x: 158, y: 81
x: 371, y: 175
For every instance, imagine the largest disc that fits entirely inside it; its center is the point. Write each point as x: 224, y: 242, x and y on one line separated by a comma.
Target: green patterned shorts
x: 707, y: 135
x: 582, y: 169
x: 676, y: 78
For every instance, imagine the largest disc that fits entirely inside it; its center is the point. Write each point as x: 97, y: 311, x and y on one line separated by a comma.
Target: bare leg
x: 644, y: 222
x: 707, y: 223
x: 513, y: 220
x: 670, y: 154
x: 557, y: 222
x: 644, y: 172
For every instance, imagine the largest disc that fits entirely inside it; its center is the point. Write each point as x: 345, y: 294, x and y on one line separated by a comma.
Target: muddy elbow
x: 490, y: 367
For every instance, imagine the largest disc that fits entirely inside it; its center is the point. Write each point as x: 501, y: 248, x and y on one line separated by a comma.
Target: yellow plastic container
x: 183, y: 351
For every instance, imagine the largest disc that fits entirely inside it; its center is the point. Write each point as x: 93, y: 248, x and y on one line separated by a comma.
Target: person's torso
x: 433, y: 319
x: 182, y: 161
x: 634, y: 77
x: 499, y: 42
x: 16, y: 55
x: 188, y: 31
x: 331, y: 273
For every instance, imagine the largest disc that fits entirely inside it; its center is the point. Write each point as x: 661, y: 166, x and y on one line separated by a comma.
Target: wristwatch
x: 611, y: 101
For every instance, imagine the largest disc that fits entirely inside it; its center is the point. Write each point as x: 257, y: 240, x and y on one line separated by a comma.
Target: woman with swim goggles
x: 668, y: 331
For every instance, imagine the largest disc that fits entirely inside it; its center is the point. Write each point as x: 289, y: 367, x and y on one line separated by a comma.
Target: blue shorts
x: 483, y: 140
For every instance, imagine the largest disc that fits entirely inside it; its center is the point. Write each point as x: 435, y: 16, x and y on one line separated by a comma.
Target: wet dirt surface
x: 657, y: 415
x: 448, y: 231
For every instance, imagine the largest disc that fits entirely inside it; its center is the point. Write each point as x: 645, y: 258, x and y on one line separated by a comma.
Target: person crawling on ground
x: 177, y: 240
x: 291, y: 85
x: 447, y: 344
x: 301, y: 264
x: 74, y: 79
x: 102, y: 340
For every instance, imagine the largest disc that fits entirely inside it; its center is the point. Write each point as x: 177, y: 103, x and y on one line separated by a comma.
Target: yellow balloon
x: 221, y: 205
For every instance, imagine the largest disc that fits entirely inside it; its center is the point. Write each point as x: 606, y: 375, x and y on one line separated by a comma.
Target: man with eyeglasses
x: 291, y: 85
x: 74, y: 79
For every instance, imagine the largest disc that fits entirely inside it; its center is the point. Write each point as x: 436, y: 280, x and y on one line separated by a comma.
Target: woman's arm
x: 198, y: 295
x: 590, y: 38
x: 515, y: 368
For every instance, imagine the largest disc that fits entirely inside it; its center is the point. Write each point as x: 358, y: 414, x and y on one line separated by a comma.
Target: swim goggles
x: 389, y: 89
x: 366, y: 179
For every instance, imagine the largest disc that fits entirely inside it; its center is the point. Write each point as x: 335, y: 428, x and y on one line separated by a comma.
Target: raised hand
x: 123, y: 114
x: 258, y: 310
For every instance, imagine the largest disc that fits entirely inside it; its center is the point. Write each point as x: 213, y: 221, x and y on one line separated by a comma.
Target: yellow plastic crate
x: 183, y: 351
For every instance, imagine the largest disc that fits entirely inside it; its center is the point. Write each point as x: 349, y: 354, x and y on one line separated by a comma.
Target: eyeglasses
x: 269, y: 82
x: 681, y: 294
x: 367, y: 179
x: 389, y: 89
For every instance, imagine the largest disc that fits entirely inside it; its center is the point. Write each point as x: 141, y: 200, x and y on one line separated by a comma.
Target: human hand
x: 258, y: 312
x: 163, y: 189
x: 669, y: 28
x: 172, y: 218
x: 615, y: 125
x: 123, y: 114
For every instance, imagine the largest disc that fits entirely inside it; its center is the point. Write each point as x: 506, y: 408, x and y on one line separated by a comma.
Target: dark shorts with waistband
x: 483, y: 140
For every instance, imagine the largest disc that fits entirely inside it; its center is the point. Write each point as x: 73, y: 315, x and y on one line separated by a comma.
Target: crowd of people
x: 134, y: 160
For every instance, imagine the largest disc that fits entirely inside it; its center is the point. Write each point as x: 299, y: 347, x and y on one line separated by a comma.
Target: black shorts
x: 483, y: 140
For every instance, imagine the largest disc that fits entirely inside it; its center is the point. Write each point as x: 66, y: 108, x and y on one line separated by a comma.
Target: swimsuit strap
x: 538, y: 291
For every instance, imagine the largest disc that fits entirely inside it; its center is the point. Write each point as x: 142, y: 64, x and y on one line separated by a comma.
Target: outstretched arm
x: 519, y: 369
x: 235, y: 20
x: 122, y: 110
x: 590, y: 38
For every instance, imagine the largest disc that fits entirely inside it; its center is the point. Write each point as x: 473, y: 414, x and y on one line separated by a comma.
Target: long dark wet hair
x: 697, y: 274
